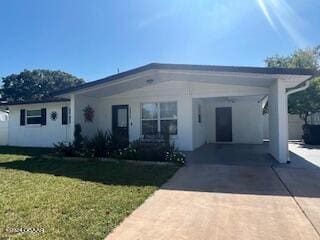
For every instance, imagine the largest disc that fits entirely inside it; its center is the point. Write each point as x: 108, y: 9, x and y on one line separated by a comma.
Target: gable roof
x: 165, y: 66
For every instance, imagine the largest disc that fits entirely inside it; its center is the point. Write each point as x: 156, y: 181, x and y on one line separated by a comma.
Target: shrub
x: 98, y: 146
x: 105, y: 144
x: 157, y: 152
x: 78, y: 139
x: 175, y: 156
x: 116, y: 142
x: 129, y: 153
x: 311, y: 134
x: 64, y: 149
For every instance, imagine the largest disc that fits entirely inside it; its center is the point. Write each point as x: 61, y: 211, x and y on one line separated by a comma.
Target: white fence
x: 294, y: 123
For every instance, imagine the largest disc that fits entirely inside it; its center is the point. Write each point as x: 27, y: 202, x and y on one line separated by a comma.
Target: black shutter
x: 43, y: 116
x: 22, y: 117
x: 64, y: 115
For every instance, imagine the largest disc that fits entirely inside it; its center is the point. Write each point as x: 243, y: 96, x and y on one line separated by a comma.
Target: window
x: 34, y: 116
x: 122, y: 117
x: 159, y: 118
x: 149, y: 118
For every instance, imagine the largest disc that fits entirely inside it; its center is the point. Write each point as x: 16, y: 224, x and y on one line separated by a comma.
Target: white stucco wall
x: 247, y: 115
x: 82, y: 101
x: 157, y: 93
x: 4, y: 125
x: 246, y: 121
x: 199, y: 129
x: 278, y: 121
x: 37, y: 136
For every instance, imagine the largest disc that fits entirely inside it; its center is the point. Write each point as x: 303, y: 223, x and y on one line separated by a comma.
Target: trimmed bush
x: 311, y: 134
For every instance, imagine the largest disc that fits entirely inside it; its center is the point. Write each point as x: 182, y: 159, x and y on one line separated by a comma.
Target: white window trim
x: 158, y: 119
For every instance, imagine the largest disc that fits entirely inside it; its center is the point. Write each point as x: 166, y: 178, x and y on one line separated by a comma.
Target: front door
x: 223, y: 124
x: 120, y: 123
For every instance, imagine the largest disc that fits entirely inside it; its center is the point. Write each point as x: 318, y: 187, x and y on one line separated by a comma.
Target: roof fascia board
x: 233, y: 74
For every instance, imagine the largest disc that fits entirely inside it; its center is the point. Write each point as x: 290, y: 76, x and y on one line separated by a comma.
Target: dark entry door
x: 223, y: 124
x: 120, y: 123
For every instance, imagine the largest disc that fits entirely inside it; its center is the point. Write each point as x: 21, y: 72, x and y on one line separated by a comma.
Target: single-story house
x: 198, y: 103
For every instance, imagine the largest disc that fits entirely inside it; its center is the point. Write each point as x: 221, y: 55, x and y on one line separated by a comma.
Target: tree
x: 306, y: 102
x: 36, y: 84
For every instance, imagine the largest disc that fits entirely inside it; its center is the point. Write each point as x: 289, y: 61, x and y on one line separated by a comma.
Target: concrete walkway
x: 230, y: 192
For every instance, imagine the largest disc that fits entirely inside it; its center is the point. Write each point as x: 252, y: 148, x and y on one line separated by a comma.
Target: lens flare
x: 280, y: 15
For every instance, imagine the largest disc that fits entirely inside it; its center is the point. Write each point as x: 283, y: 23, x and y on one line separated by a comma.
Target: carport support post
x: 278, y: 121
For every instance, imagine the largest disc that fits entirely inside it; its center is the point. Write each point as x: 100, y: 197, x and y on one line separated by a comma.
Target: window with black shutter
x: 43, y: 116
x: 22, y: 117
x: 36, y: 117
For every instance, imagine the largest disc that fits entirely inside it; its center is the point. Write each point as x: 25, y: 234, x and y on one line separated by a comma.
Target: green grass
x: 70, y: 200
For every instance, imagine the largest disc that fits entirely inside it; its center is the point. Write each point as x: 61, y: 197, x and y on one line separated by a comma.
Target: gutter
x: 304, y: 87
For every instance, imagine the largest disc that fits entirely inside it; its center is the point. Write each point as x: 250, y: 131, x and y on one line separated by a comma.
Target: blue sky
x: 91, y: 39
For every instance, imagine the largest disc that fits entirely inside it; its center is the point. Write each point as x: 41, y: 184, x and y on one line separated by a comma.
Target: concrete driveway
x: 231, y: 192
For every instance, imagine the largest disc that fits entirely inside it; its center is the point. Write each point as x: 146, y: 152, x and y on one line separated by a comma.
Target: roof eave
x: 165, y: 66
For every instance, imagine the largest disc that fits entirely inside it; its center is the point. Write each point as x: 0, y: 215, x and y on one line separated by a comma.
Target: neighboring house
x: 4, y: 120
x: 199, y: 104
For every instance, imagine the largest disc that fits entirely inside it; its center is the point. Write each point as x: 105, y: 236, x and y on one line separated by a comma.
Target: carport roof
x: 188, y: 67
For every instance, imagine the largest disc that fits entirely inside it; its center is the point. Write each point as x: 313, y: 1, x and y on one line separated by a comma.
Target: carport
x: 232, y: 113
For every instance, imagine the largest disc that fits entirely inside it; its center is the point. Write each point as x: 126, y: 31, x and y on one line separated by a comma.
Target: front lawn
x: 70, y: 200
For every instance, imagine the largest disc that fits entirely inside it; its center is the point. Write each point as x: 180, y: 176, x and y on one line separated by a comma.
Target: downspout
x: 306, y: 85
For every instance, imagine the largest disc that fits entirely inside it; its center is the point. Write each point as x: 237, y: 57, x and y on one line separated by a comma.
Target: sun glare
x: 280, y: 15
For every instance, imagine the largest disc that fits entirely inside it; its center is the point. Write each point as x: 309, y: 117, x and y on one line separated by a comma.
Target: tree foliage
x: 305, y: 102
x: 36, y: 84
x: 301, y: 58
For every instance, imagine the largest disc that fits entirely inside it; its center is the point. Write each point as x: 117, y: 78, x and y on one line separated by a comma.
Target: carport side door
x: 224, y: 124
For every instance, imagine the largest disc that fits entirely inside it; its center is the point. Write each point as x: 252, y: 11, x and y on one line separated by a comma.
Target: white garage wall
x: 246, y: 121
x: 38, y: 136
x: 88, y: 128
